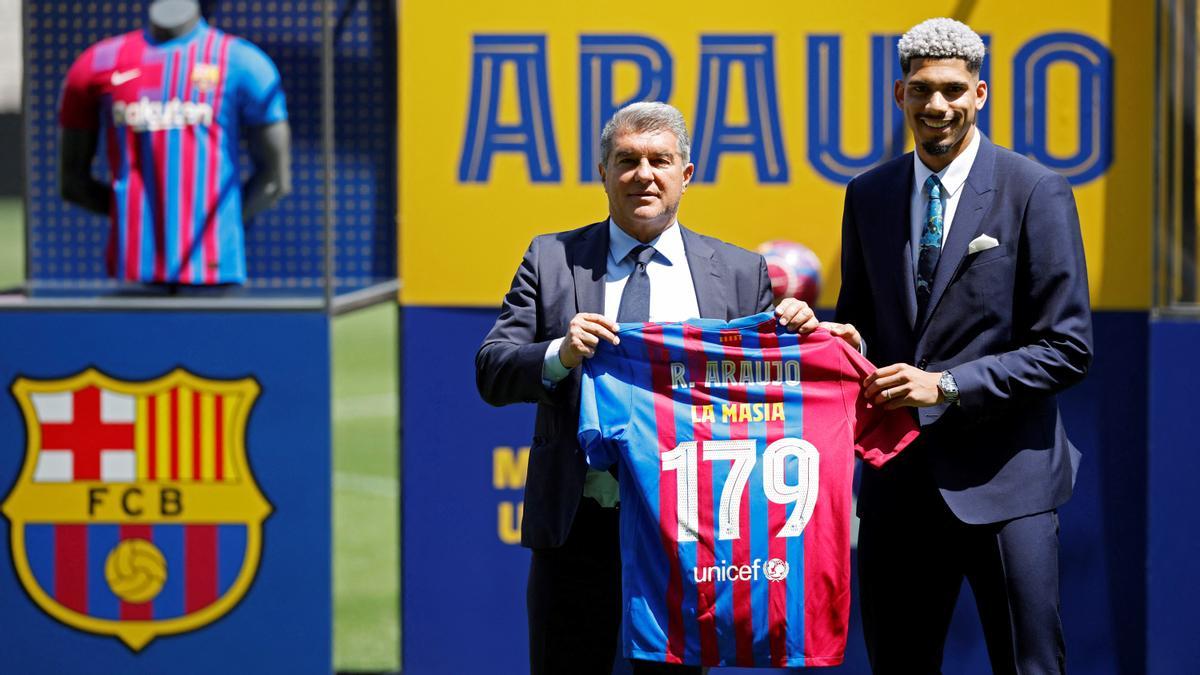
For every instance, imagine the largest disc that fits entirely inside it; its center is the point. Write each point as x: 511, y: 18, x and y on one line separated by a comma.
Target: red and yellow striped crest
x: 136, y: 513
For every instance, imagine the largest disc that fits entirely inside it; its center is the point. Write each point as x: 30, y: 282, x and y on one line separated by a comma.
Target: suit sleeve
x: 766, y: 295
x: 508, y: 365
x: 854, y: 303
x: 1052, y: 318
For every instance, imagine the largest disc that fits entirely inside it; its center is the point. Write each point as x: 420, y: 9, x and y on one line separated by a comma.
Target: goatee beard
x: 934, y: 148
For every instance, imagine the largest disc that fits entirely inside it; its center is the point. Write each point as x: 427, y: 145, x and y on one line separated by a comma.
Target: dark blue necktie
x: 931, y: 245
x: 635, y: 299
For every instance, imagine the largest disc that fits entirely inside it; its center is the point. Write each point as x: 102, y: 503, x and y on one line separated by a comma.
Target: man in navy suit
x: 963, y: 267
x: 568, y: 294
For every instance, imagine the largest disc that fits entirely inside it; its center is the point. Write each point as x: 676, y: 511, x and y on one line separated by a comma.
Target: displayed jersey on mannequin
x: 168, y: 114
x: 735, y: 443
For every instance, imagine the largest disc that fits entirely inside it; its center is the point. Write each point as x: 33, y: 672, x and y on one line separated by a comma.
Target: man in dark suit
x: 963, y: 266
x: 568, y: 294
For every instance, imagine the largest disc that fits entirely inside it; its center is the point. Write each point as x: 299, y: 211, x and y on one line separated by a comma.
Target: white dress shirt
x: 953, y: 177
x: 672, y: 292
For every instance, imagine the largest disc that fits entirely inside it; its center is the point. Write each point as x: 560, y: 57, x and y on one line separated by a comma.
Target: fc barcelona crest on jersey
x: 206, y: 76
x: 135, y: 513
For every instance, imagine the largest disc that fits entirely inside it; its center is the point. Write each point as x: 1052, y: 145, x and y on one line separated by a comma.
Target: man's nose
x: 643, y: 171
x: 937, y: 101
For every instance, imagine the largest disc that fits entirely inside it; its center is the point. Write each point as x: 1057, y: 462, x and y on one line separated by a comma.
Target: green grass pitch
x: 366, y: 499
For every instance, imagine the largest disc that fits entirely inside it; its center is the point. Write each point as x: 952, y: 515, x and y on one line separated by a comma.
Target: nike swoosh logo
x: 119, y: 78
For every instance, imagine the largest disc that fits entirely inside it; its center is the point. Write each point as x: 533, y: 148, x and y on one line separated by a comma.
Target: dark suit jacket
x: 1012, y: 323
x: 561, y: 275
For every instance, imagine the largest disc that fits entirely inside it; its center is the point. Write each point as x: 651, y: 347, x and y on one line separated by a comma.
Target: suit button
x: 922, y: 363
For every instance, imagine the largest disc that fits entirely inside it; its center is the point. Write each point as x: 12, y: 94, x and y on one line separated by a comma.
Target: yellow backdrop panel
x: 497, y: 100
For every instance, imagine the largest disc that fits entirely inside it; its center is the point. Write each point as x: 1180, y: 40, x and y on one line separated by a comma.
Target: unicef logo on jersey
x: 776, y: 569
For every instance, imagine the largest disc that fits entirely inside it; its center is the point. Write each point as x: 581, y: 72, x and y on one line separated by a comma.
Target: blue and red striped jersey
x: 735, y: 443
x: 168, y: 114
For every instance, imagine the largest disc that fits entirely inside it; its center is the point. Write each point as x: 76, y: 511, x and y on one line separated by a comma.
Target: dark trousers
x: 573, y: 601
x: 911, y: 566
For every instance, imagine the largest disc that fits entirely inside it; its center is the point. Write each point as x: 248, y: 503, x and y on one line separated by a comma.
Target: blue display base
x: 1173, y: 594
x: 283, y: 623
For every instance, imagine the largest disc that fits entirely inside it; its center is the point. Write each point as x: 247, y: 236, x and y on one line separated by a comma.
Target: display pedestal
x: 166, y: 487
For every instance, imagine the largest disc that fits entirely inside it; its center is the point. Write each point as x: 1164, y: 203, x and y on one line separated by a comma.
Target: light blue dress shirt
x: 672, y: 298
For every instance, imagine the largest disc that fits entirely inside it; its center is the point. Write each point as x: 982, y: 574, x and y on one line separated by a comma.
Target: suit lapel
x: 707, y: 271
x: 899, y: 237
x: 972, y: 205
x: 589, y: 262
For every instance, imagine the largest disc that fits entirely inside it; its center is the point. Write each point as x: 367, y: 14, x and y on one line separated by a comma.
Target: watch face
x: 948, y: 385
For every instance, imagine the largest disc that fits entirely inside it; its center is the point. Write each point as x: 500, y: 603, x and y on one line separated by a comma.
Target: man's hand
x: 846, y: 331
x: 583, y: 334
x: 900, y: 385
x: 796, y: 315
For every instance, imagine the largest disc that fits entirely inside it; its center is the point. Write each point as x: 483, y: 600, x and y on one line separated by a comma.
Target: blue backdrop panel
x: 463, y: 585
x: 463, y: 589
x: 283, y: 245
x: 283, y: 623
x: 1173, y: 547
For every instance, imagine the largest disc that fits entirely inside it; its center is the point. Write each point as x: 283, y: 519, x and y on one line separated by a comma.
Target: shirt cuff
x: 553, y: 370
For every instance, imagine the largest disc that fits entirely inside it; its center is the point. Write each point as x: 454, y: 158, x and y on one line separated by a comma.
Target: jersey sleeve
x: 79, y: 107
x: 591, y: 434
x: 605, y: 398
x: 879, y: 434
x: 260, y: 98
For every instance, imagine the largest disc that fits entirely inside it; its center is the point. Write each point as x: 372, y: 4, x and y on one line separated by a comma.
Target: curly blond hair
x: 942, y: 38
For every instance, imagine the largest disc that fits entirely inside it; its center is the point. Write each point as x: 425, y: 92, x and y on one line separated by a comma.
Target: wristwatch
x: 949, y: 388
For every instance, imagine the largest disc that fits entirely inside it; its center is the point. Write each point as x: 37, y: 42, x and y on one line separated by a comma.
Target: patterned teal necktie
x: 931, y: 245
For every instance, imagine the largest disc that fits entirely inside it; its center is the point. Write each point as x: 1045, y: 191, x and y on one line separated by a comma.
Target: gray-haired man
x: 569, y: 292
x: 962, y: 266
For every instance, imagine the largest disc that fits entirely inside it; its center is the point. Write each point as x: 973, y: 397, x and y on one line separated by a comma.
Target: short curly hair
x: 942, y: 38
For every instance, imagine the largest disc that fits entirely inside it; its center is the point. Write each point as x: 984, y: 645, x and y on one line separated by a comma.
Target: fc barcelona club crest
x: 206, y: 76
x: 135, y: 513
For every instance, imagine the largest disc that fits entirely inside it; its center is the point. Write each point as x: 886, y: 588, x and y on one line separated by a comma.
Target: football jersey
x: 735, y: 443
x: 168, y: 114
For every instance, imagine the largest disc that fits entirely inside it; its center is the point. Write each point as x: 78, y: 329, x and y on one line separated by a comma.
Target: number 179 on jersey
x: 685, y: 460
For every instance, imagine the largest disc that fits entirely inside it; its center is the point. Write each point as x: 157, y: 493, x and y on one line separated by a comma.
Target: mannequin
x: 269, y: 144
x: 172, y: 18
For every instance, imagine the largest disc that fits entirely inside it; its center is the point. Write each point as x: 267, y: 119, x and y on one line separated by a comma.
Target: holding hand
x: 900, y: 385
x: 846, y: 331
x: 584, y: 333
x: 796, y: 315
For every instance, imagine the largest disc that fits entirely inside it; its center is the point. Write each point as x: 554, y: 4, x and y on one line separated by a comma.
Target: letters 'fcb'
x: 135, y: 513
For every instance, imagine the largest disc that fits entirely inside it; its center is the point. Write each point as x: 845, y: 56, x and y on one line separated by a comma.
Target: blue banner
x: 165, y: 483
x: 464, y: 572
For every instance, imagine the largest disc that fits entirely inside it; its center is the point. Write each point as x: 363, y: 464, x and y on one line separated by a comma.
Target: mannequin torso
x: 173, y: 99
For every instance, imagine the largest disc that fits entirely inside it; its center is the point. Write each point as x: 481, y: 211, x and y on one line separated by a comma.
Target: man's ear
x: 600, y: 167
x: 981, y: 93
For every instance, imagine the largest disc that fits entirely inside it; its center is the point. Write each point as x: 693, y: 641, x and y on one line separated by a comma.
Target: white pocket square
x: 981, y: 243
